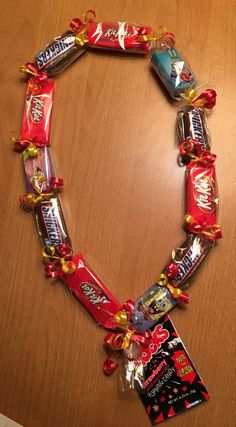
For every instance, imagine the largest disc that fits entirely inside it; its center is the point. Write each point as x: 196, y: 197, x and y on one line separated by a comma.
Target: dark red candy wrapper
x: 201, y: 199
x: 37, y: 114
x: 116, y: 36
x: 171, y: 383
x: 86, y: 286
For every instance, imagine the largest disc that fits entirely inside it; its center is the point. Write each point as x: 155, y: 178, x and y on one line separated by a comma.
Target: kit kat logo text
x: 94, y: 293
x: 204, y: 194
x: 36, y: 109
x: 116, y: 33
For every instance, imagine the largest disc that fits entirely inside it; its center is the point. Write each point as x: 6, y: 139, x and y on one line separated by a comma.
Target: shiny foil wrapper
x: 90, y: 290
x: 192, y: 125
x: 50, y: 222
x: 201, y: 197
x: 37, y: 115
x: 123, y: 36
x: 59, y: 54
x: 151, y: 306
x: 39, y: 164
x: 188, y: 257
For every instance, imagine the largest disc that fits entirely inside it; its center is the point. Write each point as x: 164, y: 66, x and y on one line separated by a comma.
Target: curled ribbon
x: 175, y: 292
x: 31, y: 69
x: 79, y: 26
x: 55, y: 183
x: 28, y: 201
x: 109, y: 366
x: 207, y: 99
x: 187, y: 147
x: 31, y: 151
x: 162, y: 35
x: 124, y: 336
x: 59, y: 259
x: 212, y: 232
x: 172, y: 270
x: 22, y: 144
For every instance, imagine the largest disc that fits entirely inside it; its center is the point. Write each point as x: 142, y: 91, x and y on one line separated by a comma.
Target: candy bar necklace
x: 136, y: 328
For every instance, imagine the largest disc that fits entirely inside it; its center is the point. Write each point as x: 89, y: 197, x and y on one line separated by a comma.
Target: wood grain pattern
x: 113, y: 142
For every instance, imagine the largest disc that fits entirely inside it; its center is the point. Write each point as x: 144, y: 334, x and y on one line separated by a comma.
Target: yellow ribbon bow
x: 31, y: 151
x: 49, y: 253
x: 81, y: 37
x: 161, y: 31
x: 35, y: 181
x: 163, y: 281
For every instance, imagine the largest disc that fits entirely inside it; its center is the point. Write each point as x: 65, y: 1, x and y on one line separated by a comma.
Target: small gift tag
x: 171, y: 383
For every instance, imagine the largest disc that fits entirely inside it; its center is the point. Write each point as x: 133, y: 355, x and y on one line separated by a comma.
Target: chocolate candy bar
x: 38, y: 164
x: 201, y: 197
x: 50, y: 222
x: 171, y: 383
x: 123, y: 36
x: 151, y: 306
x: 191, y: 124
x: 86, y: 286
x: 59, y: 54
x: 36, y: 123
x: 187, y: 258
x: 173, y: 71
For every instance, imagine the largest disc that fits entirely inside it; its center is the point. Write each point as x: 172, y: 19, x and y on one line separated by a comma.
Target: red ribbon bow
x: 32, y: 70
x: 172, y: 270
x: 188, y: 147
x: 124, y: 336
x: 212, y: 232
x: 21, y: 144
x: 78, y: 25
x: 207, y: 99
x: 63, y: 262
x: 55, y: 183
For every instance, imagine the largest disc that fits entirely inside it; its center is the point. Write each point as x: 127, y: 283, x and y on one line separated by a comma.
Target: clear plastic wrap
x: 172, y: 69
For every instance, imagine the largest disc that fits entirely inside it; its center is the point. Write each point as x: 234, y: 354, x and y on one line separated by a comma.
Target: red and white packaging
x: 201, y: 196
x: 123, y: 36
x: 37, y: 116
x: 89, y: 289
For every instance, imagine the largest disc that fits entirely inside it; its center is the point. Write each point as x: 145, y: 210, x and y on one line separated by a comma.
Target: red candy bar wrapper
x: 86, y: 286
x: 201, y: 197
x: 118, y: 36
x: 38, y: 164
x: 37, y: 114
x: 171, y: 383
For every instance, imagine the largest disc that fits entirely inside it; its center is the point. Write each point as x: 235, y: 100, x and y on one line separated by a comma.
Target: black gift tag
x: 172, y: 384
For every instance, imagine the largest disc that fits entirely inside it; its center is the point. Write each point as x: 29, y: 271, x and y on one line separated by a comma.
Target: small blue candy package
x: 172, y: 69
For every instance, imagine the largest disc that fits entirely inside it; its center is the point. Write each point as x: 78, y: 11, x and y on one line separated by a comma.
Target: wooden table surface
x: 113, y: 141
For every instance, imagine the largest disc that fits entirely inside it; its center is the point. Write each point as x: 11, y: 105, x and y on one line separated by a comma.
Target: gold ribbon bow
x: 161, y: 31
x: 81, y: 36
x: 122, y: 339
x: 31, y: 151
x: 163, y: 281
x: 35, y: 180
x: 49, y: 253
x: 213, y: 231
